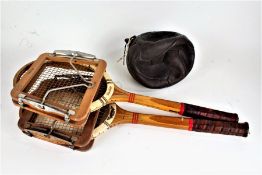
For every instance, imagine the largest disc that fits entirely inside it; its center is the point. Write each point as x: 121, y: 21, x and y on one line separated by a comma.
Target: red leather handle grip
x: 221, y: 127
x: 206, y: 113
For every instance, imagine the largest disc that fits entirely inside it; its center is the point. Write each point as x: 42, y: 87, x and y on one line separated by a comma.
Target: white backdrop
x: 226, y: 76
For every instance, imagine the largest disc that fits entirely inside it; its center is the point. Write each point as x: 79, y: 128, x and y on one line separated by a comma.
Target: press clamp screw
x: 20, y: 100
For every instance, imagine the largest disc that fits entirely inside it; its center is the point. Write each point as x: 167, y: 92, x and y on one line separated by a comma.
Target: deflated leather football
x: 159, y: 59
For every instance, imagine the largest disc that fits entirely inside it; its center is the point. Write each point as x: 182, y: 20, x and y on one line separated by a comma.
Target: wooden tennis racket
x: 110, y: 93
x: 117, y: 115
x: 82, y: 137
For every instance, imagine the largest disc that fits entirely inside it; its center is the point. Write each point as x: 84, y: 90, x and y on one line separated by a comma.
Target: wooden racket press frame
x: 31, y: 103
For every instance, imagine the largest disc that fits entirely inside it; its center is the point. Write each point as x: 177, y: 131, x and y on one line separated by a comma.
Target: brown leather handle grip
x: 221, y: 127
x: 207, y: 113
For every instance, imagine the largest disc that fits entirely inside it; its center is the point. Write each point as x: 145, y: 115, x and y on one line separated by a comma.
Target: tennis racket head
x: 61, y: 85
x: 58, y: 132
x: 72, y: 136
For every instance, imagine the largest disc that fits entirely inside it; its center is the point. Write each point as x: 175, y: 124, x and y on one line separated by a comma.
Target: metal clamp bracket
x: 39, y: 105
x: 67, y: 116
x: 74, y: 54
x: 20, y: 99
x: 51, y: 129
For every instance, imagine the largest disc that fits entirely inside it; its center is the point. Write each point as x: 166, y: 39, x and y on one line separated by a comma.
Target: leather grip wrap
x: 206, y: 113
x: 221, y: 127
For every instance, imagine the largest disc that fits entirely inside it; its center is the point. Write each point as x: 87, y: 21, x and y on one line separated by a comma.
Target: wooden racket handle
x: 198, y: 125
x: 183, y: 109
x: 202, y: 112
